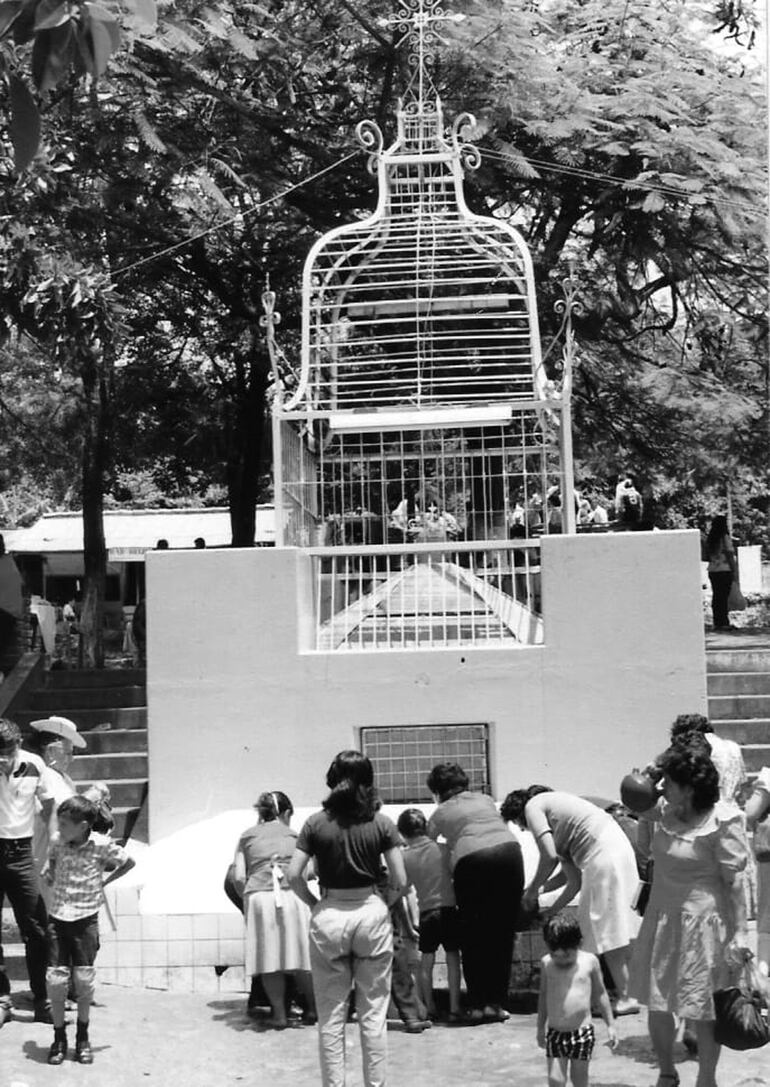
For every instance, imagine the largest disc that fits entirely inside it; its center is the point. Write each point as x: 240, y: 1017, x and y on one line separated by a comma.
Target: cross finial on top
x: 417, y: 19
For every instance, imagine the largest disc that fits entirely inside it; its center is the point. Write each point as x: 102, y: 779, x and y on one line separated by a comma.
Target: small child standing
x: 570, y: 984
x: 427, y: 869
x: 77, y: 861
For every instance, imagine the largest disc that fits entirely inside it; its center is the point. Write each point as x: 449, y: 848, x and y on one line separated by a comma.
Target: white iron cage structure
x: 422, y: 414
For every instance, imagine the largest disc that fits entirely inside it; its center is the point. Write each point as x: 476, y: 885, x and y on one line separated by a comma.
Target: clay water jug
x: 638, y: 791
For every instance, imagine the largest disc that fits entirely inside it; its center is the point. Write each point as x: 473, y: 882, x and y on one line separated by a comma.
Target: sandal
x: 626, y: 1007
x: 493, y: 1013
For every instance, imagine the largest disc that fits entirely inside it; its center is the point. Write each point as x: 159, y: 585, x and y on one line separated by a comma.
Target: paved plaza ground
x: 143, y: 1036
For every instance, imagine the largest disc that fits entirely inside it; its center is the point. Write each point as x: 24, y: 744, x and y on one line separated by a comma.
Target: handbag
x: 736, y: 601
x: 642, y: 896
x: 762, y: 838
x: 741, y: 1013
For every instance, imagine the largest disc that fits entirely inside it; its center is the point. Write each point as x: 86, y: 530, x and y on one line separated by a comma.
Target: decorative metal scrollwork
x: 470, y: 156
x: 417, y: 21
x: 567, y: 307
x: 269, y: 322
x: 369, y: 135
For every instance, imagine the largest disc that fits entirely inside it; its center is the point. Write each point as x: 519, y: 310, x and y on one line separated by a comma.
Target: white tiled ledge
x: 178, y: 952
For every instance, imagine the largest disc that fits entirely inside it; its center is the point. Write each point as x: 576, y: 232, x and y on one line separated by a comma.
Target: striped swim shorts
x: 576, y: 1045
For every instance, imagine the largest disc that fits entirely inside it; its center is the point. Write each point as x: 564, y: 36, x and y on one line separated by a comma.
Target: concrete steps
x: 54, y: 700
x: 726, y: 707
x: 88, y: 679
x: 722, y: 684
x: 755, y: 756
x: 754, y: 659
x: 111, y: 740
x: 738, y: 683
x: 744, y: 730
x: 92, y: 766
x: 109, y: 708
x: 87, y: 719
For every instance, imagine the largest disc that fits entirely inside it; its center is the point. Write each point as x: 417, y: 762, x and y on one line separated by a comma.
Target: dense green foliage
x: 622, y: 139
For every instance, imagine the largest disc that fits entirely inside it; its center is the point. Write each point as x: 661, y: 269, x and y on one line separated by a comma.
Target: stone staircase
x: 739, y: 699
x: 110, y: 709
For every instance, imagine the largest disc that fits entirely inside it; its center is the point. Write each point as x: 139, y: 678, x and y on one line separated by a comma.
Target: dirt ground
x: 144, y: 1036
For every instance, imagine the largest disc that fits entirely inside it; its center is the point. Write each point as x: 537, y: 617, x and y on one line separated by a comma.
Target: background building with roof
x: 49, y: 553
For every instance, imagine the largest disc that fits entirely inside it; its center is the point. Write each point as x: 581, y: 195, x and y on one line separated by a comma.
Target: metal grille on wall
x: 404, y: 756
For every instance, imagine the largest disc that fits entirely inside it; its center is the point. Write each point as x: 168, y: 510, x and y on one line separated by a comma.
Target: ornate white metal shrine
x: 423, y: 436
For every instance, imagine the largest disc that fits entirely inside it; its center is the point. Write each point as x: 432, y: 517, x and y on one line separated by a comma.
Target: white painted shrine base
x: 237, y: 706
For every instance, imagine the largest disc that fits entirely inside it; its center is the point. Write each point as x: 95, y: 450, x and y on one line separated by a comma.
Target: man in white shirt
x: 24, y: 784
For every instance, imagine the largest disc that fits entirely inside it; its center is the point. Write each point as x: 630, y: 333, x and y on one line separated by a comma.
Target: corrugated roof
x: 136, y: 531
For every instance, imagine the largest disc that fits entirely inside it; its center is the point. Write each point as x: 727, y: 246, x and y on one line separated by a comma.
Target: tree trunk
x: 95, y: 458
x: 245, y: 442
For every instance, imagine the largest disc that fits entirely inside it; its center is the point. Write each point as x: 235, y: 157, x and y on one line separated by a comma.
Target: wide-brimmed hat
x: 60, y: 726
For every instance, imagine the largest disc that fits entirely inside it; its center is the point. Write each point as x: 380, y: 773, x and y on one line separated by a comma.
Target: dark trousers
x: 19, y: 884
x: 402, y: 987
x: 720, y: 592
x: 5, y: 984
x: 488, y: 887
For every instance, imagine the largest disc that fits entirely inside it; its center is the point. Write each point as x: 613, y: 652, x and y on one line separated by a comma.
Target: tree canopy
x: 621, y: 139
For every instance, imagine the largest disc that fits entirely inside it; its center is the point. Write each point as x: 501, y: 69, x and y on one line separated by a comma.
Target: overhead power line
x: 233, y: 219
x: 622, y: 183
x: 501, y: 156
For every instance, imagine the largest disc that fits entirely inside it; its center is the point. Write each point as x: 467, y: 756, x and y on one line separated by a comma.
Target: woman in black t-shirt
x: 351, y: 934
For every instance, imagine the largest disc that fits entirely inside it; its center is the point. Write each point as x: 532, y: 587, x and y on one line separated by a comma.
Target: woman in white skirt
x: 276, y: 920
x: 596, y: 859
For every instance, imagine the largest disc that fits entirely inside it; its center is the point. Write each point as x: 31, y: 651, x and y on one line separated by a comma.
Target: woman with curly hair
x: 488, y: 876
x: 351, y: 933
x: 695, y: 923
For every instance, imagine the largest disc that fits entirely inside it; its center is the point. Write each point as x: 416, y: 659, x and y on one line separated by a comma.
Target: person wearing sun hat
x: 54, y: 739
x: 62, y: 728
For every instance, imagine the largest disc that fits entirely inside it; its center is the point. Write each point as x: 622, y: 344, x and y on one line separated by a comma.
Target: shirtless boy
x: 570, y: 983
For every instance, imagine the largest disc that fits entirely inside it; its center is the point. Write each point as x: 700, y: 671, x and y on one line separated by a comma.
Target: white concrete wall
x: 235, y: 708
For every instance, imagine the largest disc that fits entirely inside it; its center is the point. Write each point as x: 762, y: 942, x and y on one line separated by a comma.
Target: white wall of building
x: 236, y: 708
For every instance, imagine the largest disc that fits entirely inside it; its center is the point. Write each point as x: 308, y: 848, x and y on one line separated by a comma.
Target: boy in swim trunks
x: 570, y: 983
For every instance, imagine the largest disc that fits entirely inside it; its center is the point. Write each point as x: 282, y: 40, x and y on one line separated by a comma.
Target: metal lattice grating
x: 420, y: 598
x: 424, y: 310
x: 377, y: 488
x: 403, y: 756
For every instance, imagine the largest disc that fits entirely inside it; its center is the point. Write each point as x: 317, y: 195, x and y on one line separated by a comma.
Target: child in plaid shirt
x: 77, y: 862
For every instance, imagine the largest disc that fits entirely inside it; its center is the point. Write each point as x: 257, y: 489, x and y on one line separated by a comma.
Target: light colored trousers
x: 351, y: 944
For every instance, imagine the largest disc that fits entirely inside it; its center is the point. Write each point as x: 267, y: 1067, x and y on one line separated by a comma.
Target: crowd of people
x: 350, y: 912
x: 350, y: 863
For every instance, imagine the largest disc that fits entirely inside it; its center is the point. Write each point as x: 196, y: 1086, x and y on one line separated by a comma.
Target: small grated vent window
x: 404, y: 756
